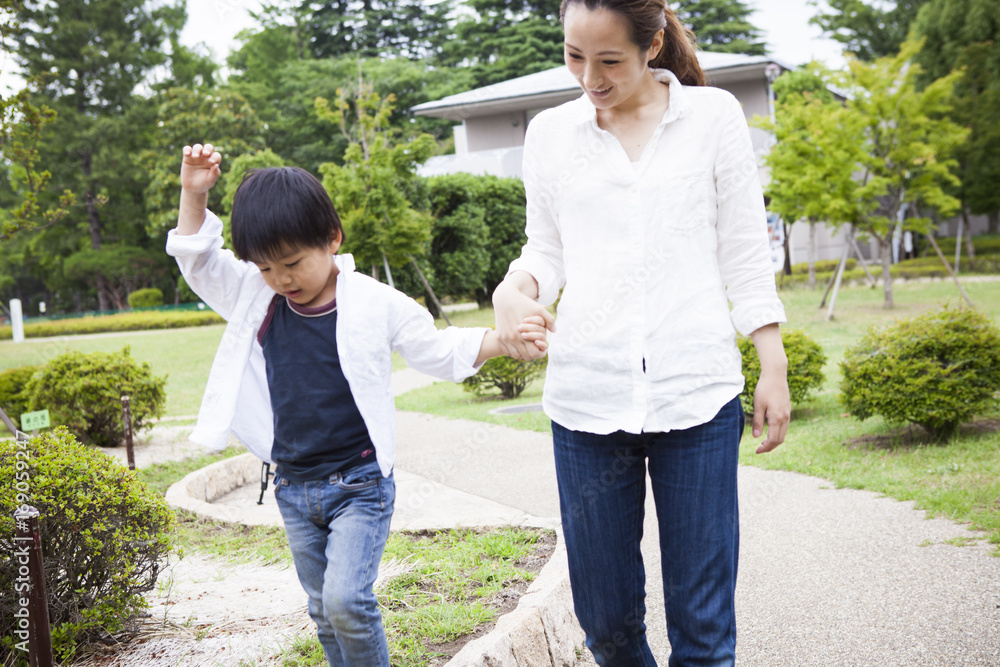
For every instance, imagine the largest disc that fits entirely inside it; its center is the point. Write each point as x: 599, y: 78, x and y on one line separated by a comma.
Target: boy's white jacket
x: 373, y: 319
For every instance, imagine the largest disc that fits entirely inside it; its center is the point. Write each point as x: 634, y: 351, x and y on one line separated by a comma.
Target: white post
x: 17, y: 320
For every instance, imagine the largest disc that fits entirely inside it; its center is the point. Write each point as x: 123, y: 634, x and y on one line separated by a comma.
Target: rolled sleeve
x: 744, y: 253
x: 542, y: 255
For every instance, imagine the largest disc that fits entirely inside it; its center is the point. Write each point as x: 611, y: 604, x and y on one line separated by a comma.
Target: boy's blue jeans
x: 602, y: 489
x: 337, y: 529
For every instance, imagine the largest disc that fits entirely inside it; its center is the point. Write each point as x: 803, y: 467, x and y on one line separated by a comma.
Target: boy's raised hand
x: 200, y: 168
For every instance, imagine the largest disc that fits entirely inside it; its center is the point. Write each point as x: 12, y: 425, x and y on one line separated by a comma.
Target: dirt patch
x: 915, y: 436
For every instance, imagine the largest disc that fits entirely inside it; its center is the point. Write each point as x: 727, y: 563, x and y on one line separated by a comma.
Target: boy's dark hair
x: 279, y: 209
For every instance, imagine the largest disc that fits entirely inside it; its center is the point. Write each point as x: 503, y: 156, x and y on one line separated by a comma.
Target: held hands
x: 200, y: 168
x: 521, y: 322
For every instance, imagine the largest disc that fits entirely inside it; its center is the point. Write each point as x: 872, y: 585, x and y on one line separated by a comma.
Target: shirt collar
x: 587, y: 112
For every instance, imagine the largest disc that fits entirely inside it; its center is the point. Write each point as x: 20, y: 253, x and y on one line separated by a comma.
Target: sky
x: 791, y: 39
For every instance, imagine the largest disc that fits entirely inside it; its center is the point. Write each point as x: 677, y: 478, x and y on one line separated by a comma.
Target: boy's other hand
x: 200, y: 168
x: 533, y: 330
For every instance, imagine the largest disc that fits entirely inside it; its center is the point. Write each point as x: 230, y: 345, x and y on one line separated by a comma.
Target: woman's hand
x: 513, y: 304
x: 771, y: 400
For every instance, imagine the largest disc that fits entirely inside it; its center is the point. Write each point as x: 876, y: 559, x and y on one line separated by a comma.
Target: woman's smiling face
x: 601, y: 55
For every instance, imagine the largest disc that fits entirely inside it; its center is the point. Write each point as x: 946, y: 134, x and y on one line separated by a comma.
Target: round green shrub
x: 13, y: 399
x: 105, y: 538
x: 83, y: 392
x: 805, y: 367
x: 510, y: 376
x: 151, y: 297
x: 937, y: 370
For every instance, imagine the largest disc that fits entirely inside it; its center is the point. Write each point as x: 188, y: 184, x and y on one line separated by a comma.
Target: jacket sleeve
x: 449, y: 354
x: 215, y: 274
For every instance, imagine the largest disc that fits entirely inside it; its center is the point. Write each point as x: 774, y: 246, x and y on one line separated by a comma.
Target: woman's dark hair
x: 644, y: 19
x: 279, y: 209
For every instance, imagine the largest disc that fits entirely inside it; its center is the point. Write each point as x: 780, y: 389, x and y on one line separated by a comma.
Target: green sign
x: 32, y: 421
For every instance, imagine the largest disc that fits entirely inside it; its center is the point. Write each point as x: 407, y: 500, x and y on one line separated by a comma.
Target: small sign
x: 32, y: 421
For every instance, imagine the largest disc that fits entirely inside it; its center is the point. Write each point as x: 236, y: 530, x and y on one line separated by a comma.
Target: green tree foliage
x: 505, y: 39
x: 938, y: 370
x: 805, y: 367
x: 965, y: 35
x: 105, y: 538
x: 187, y: 117
x: 869, y: 30
x: 911, y: 144
x: 90, y: 59
x: 478, y: 231
x: 722, y: 26
x: 817, y: 152
x: 369, y: 190
x: 116, y: 270
x: 149, y: 297
x: 375, y: 28
x: 13, y: 400
x: 83, y: 392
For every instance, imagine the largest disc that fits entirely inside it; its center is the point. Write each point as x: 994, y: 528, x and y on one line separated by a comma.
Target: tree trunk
x: 885, y: 249
x: 970, y: 249
x: 430, y: 292
x: 94, y: 220
x: 812, y: 255
x: 994, y: 222
x: 787, y: 268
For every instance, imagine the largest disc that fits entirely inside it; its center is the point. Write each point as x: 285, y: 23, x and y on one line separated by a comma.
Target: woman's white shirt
x: 648, y: 255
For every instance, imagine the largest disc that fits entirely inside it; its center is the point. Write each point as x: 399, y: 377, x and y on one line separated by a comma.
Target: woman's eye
x: 610, y: 62
x: 576, y: 56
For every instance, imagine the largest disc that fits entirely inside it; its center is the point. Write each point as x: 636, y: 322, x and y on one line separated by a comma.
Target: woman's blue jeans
x: 337, y: 529
x: 602, y: 490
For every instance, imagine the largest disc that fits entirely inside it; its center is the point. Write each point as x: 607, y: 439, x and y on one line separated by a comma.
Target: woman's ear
x: 655, y: 47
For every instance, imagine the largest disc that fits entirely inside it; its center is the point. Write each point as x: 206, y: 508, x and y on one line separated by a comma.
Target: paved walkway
x: 827, y: 576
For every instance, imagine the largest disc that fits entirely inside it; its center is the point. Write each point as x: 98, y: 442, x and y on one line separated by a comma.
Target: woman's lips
x: 600, y: 93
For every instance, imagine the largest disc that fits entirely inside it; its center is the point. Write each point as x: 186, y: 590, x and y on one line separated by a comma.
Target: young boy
x: 302, y: 378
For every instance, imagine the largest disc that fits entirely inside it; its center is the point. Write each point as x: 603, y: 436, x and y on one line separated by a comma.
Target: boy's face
x: 306, y: 276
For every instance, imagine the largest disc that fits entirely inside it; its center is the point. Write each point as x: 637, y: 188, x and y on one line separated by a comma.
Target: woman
x: 645, y: 209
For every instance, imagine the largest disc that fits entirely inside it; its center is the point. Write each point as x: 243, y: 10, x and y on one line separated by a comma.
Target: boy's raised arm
x: 199, y: 172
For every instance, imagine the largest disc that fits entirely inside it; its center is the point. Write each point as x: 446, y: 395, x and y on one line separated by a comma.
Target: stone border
x: 541, y: 631
x: 196, y: 491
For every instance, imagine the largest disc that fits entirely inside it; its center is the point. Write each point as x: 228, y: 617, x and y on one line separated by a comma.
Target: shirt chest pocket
x: 686, y: 202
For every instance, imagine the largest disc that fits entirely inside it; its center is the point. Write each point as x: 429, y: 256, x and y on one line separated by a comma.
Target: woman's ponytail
x: 678, y: 52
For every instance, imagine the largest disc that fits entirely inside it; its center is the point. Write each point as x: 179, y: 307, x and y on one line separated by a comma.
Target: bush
x: 510, y: 376
x: 104, y: 538
x: 937, y: 370
x: 83, y: 392
x: 805, y: 367
x: 137, y: 321
x: 150, y: 297
x: 13, y: 399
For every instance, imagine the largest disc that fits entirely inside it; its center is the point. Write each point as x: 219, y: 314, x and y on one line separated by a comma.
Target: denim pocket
x: 360, y: 477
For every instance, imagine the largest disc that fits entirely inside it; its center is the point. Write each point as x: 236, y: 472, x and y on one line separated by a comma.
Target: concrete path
x: 827, y: 576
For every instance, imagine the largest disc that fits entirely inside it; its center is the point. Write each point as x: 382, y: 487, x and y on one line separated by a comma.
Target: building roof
x: 557, y: 85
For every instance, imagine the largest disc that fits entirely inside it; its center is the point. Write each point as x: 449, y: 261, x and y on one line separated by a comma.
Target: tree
x: 965, y: 35
x: 867, y: 30
x: 908, y: 142
x: 184, y: 117
x: 21, y: 124
x: 819, y: 147
x: 375, y: 28
x: 722, y: 26
x: 505, y: 39
x: 90, y: 59
x: 381, y: 226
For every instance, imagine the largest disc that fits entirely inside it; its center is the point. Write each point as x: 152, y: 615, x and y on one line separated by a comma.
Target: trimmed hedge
x: 805, y: 367
x: 105, y: 538
x: 83, y: 391
x: 139, y: 321
x: 938, y: 370
x: 150, y: 297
